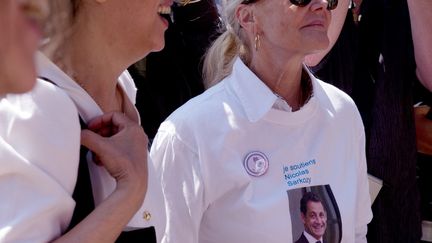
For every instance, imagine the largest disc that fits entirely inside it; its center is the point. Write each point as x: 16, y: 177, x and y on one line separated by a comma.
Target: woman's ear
x: 245, y: 17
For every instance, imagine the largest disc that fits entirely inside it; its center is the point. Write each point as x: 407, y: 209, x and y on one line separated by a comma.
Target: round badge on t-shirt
x: 256, y: 163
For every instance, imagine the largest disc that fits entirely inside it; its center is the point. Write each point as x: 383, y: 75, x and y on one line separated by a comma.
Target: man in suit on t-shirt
x: 314, y: 218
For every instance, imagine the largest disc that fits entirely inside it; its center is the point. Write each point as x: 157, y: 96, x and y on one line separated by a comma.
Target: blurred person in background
x: 167, y: 79
x: 381, y: 47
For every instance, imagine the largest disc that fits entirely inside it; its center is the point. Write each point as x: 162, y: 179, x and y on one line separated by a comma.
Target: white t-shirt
x: 39, y: 153
x: 229, y: 162
x: 102, y: 183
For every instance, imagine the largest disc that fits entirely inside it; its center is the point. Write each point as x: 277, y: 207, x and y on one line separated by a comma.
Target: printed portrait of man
x: 314, y: 218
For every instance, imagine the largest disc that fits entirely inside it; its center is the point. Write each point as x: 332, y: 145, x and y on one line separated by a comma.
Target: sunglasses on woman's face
x: 331, y: 4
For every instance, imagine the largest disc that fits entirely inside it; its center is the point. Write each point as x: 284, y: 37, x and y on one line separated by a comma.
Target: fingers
x: 124, y: 155
x: 108, y: 119
x: 109, y: 124
x: 92, y: 141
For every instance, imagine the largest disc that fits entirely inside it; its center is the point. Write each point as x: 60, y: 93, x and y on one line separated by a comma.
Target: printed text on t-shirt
x: 298, y: 173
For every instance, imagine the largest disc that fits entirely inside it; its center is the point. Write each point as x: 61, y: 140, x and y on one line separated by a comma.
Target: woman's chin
x: 159, y: 46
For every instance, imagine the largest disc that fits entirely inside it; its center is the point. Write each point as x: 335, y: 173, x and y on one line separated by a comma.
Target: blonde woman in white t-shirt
x: 235, y: 160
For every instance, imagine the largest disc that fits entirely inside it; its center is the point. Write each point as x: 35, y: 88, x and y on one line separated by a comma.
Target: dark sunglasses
x: 331, y: 4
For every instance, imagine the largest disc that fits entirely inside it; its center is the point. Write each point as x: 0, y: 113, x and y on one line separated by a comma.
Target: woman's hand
x: 420, y: 16
x: 120, y: 145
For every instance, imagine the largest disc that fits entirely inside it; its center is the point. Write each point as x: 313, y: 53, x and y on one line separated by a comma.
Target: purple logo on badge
x: 256, y: 164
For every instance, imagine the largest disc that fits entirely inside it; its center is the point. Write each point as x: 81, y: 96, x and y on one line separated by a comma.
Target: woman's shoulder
x: 44, y: 98
x: 43, y: 127
x: 333, y: 95
x: 45, y: 108
x: 338, y: 103
x: 200, y: 108
x: 51, y: 98
x: 334, y: 98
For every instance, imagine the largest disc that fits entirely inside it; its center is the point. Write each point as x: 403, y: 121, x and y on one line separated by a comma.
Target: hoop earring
x: 257, y: 42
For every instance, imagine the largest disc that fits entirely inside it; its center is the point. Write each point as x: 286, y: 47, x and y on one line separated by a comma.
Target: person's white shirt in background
x: 39, y: 154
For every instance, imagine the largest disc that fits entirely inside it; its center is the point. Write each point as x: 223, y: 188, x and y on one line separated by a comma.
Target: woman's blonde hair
x: 220, y: 57
x: 57, y: 27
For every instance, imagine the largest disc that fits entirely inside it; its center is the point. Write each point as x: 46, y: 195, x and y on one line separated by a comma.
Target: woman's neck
x: 283, y: 77
x: 92, y: 66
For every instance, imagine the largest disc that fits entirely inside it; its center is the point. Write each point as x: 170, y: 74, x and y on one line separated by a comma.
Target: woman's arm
x: 421, y: 16
x: 120, y: 145
x: 182, y: 183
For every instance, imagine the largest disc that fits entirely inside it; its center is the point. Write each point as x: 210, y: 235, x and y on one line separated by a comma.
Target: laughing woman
x: 236, y: 160
x: 103, y: 39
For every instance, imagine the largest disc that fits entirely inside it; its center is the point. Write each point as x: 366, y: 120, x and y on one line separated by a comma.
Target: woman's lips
x: 165, y: 12
x: 319, y: 24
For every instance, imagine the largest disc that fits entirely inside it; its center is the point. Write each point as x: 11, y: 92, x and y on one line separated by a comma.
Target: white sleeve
x: 364, y: 212
x: 179, y: 168
x: 153, y: 205
x: 39, y: 154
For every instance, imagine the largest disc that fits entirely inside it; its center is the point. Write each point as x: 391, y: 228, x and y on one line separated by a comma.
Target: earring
x: 257, y: 42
